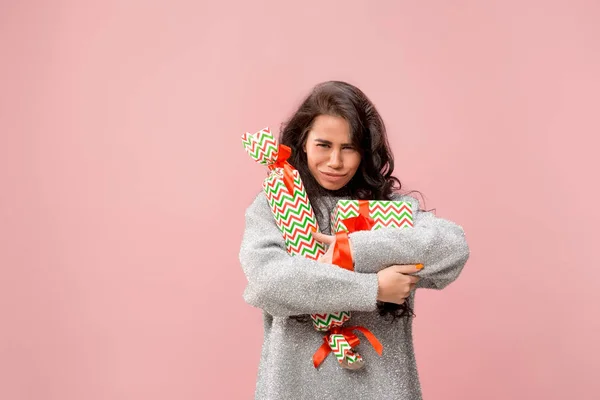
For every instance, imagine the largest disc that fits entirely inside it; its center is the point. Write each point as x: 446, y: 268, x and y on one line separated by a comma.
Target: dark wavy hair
x: 373, y: 179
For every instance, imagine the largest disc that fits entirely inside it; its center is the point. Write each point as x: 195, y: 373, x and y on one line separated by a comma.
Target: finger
x: 413, y: 279
x: 407, y: 269
x: 330, y: 251
x: 325, y: 259
x: 327, y: 256
x: 323, y: 238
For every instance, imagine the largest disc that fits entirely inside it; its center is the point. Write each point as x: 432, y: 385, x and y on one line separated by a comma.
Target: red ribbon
x: 351, y: 338
x: 283, y: 153
x: 342, y: 257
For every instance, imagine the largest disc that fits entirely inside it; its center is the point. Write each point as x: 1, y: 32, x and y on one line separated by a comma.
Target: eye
x: 348, y: 148
x: 322, y: 145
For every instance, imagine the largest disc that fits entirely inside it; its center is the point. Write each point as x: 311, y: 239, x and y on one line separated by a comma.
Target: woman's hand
x: 328, y: 240
x: 396, y: 282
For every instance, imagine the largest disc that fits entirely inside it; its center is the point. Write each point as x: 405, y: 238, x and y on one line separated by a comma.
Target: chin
x: 332, y: 186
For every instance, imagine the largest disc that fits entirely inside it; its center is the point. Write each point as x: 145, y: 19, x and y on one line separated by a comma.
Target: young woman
x: 340, y: 148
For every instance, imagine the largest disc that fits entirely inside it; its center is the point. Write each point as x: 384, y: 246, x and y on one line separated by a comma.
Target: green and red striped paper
x: 342, y: 349
x: 292, y: 211
x: 386, y: 214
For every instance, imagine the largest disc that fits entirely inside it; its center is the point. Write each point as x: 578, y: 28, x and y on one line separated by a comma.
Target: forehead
x: 330, y: 128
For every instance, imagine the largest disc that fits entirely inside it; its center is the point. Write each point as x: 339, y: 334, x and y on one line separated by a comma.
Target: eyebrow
x: 329, y: 143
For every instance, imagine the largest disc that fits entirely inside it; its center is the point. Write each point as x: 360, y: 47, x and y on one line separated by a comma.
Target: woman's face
x: 332, y: 158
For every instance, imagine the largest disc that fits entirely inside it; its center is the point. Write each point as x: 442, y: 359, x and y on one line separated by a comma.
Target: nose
x: 335, y: 160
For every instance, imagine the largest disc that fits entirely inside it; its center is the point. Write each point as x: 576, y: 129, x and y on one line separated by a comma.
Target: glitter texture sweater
x: 283, y: 285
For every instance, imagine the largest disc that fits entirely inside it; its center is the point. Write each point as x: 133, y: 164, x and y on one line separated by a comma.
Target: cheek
x: 314, y: 156
x: 355, y: 162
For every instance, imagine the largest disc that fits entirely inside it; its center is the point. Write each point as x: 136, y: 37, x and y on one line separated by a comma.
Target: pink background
x: 124, y: 184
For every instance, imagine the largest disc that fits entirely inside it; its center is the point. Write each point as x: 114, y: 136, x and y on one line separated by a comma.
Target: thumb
x: 407, y: 269
x: 323, y: 238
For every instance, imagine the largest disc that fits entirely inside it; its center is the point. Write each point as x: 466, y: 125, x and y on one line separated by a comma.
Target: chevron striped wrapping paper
x: 292, y: 211
x: 396, y: 214
x: 386, y: 214
x: 342, y: 350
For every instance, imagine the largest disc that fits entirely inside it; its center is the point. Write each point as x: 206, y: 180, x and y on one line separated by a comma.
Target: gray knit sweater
x: 283, y: 285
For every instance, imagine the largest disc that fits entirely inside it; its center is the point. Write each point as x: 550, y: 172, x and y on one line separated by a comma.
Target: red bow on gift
x: 341, y: 250
x: 283, y: 153
x: 351, y: 338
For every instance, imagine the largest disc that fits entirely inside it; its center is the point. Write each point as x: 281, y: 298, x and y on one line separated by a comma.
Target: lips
x: 332, y: 177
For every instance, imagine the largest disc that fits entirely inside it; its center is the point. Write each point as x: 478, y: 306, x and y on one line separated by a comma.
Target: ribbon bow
x: 262, y: 147
x: 283, y: 153
x: 341, y: 250
x: 350, y: 337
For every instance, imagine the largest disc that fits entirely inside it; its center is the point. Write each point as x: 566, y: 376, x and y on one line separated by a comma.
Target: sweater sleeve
x: 438, y: 244
x: 284, y: 285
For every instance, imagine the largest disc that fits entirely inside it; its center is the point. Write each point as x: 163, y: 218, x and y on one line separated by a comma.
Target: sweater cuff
x: 366, y: 298
x: 365, y: 257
